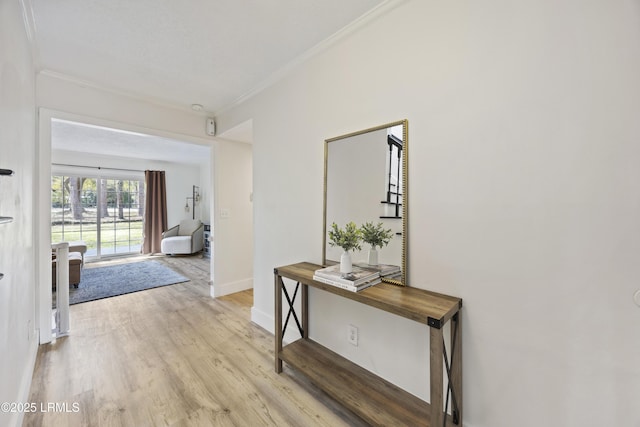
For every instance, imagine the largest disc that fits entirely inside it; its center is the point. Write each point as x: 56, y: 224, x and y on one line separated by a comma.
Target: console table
x: 374, y: 399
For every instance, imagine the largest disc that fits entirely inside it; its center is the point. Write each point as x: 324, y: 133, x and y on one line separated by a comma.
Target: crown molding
x: 160, y: 102
x: 29, y: 20
x: 30, y: 28
x: 380, y: 10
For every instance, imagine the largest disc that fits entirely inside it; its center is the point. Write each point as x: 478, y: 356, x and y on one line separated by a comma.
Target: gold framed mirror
x: 366, y: 181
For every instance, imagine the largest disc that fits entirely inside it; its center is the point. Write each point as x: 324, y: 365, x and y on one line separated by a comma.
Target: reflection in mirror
x: 366, y: 181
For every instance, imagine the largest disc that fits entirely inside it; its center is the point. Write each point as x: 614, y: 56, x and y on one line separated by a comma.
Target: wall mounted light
x: 195, y: 198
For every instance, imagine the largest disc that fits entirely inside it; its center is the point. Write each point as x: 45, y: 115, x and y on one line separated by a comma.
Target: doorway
x: 105, y: 160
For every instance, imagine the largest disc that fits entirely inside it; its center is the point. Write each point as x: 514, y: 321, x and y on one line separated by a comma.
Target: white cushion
x: 188, y: 226
x: 176, y: 245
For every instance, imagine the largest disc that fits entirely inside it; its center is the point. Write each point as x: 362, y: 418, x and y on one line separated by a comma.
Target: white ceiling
x: 207, y: 52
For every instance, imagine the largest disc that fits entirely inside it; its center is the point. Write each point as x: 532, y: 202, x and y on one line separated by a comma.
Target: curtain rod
x: 96, y: 167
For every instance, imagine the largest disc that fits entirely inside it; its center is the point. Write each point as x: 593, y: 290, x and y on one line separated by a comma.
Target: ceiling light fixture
x: 197, y: 107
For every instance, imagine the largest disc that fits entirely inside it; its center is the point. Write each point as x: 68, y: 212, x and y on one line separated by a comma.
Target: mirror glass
x: 365, y: 181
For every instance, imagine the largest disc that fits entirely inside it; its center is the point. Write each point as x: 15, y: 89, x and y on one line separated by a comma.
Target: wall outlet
x: 352, y: 335
x: 225, y: 213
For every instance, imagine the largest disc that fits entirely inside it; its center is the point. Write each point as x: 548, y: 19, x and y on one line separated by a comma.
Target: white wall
x: 524, y: 196
x: 233, y: 220
x: 18, y: 341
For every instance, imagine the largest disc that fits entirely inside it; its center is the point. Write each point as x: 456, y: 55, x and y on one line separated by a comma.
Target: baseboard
x: 218, y: 290
x: 262, y: 319
x: 266, y: 321
x: 25, y: 384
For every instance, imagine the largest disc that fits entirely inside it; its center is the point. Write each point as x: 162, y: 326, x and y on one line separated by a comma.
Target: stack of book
x: 385, y: 270
x: 359, y: 279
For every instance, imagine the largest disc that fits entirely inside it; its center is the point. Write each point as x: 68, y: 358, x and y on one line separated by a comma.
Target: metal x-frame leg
x: 455, y: 408
x: 452, y: 366
x: 280, y: 329
x: 292, y: 310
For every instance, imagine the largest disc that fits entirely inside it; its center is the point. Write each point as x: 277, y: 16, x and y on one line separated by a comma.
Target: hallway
x: 172, y: 356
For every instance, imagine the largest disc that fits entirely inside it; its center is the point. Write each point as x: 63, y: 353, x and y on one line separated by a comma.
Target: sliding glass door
x: 106, y: 213
x: 73, y: 211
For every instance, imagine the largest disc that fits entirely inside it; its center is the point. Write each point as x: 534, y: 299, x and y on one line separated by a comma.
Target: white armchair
x: 185, y: 238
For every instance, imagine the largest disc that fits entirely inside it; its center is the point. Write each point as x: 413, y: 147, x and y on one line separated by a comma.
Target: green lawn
x: 115, y: 233
x: 122, y: 234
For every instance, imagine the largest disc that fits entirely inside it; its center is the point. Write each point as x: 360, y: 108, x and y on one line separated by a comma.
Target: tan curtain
x: 155, y: 211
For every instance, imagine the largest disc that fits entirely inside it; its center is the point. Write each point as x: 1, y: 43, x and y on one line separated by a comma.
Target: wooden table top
x: 431, y: 308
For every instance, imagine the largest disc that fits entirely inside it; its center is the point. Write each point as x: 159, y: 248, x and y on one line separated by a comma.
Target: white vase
x: 345, y: 263
x: 373, y: 256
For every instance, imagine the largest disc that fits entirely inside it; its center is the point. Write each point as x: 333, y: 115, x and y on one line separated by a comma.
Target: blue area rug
x: 112, y: 280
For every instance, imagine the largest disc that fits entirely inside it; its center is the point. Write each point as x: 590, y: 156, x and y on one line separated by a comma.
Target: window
x: 106, y: 213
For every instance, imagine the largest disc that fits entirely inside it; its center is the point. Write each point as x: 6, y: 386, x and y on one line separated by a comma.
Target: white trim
x: 29, y: 21
x: 341, y: 34
x: 30, y: 29
x: 25, y: 383
x: 230, y: 288
x: 43, y: 227
x: 262, y: 319
x: 131, y: 95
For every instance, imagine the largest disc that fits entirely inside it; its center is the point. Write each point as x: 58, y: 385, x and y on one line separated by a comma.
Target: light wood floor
x: 173, y: 356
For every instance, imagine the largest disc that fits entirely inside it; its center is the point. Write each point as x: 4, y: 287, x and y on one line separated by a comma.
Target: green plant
x: 375, y: 235
x: 348, y: 239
